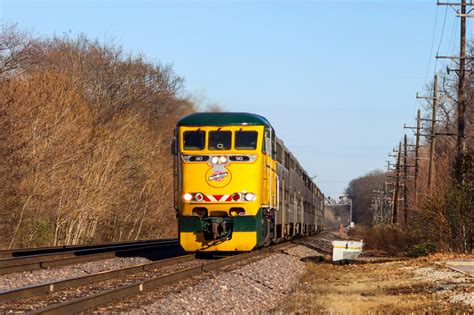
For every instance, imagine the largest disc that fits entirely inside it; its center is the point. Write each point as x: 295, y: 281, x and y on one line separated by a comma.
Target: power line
x: 429, y: 59
x: 441, y: 37
x: 432, y: 45
x: 453, y: 35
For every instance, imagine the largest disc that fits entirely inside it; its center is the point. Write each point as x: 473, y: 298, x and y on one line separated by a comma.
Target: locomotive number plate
x: 239, y: 158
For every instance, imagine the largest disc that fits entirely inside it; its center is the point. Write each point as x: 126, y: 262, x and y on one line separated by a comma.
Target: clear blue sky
x: 337, y: 79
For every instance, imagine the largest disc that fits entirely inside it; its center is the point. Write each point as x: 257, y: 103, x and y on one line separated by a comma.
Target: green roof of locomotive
x: 223, y: 119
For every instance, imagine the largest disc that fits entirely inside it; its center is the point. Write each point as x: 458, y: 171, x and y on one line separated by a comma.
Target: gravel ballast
x: 448, y: 282
x: 26, y: 305
x: 254, y: 287
x: 28, y: 278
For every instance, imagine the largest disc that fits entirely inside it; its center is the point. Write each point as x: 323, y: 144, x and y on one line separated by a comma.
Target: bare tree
x: 84, y: 141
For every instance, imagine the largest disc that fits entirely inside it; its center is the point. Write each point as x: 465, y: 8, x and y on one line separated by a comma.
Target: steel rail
x: 57, y: 260
x: 104, y: 297
x: 21, y: 252
x: 50, y: 287
x: 81, y: 252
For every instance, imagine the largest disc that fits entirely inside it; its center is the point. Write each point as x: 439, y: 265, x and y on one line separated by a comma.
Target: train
x: 237, y: 187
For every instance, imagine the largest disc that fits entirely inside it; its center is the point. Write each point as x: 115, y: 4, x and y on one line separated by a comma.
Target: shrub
x: 389, y: 239
x: 422, y: 249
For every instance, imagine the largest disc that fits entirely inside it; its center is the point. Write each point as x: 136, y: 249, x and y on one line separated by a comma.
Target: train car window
x: 279, y: 153
x: 274, y: 148
x: 246, y: 140
x: 220, y: 140
x: 194, y: 140
x: 267, y: 142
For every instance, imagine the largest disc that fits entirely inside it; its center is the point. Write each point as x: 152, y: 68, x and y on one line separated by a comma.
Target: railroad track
x: 322, y: 243
x: 105, y: 287
x: 81, y: 254
x: 21, y: 252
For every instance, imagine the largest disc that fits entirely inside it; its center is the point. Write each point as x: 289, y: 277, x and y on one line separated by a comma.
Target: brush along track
x: 144, y: 282
x: 52, y: 260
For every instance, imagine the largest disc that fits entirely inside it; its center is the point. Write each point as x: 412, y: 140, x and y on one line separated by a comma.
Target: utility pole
x: 397, y: 187
x: 375, y: 210
x: 378, y: 205
x: 405, y: 182
x: 433, y: 134
x: 417, y: 156
x: 461, y: 140
x: 386, y: 203
x: 375, y: 207
x: 461, y: 104
x: 389, y: 191
x: 433, y: 99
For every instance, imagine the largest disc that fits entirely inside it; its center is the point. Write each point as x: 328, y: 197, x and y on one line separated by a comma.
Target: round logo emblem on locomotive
x: 218, y: 176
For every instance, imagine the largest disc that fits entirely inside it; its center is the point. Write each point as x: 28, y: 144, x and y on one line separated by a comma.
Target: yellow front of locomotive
x: 220, y: 187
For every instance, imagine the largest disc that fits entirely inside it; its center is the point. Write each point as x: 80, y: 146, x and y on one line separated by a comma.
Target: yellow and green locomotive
x: 236, y: 185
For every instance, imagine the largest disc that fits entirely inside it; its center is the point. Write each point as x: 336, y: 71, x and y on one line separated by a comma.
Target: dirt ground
x: 423, y: 285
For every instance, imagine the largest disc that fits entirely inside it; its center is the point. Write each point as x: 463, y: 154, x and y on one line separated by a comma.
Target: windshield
x: 194, y: 140
x: 220, y: 140
x: 246, y: 140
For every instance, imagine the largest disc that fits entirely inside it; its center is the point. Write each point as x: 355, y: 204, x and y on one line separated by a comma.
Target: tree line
x: 84, y: 141
x: 434, y: 211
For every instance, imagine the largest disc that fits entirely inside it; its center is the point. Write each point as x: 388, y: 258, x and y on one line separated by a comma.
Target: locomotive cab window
x: 246, y: 140
x: 269, y: 143
x: 220, y: 140
x: 194, y: 140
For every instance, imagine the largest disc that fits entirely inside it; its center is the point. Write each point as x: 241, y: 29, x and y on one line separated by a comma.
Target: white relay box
x: 346, y: 250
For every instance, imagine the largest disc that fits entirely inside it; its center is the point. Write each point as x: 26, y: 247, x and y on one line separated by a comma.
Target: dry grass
x: 368, y: 288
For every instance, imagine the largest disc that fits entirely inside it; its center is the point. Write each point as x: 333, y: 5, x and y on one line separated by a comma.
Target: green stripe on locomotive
x: 241, y: 224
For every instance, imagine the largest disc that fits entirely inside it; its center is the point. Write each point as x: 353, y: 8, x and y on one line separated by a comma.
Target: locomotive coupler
x: 217, y: 228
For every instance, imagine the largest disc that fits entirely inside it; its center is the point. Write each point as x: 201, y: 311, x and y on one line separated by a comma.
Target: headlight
x: 222, y: 159
x: 187, y: 197
x: 214, y: 160
x: 250, y: 197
